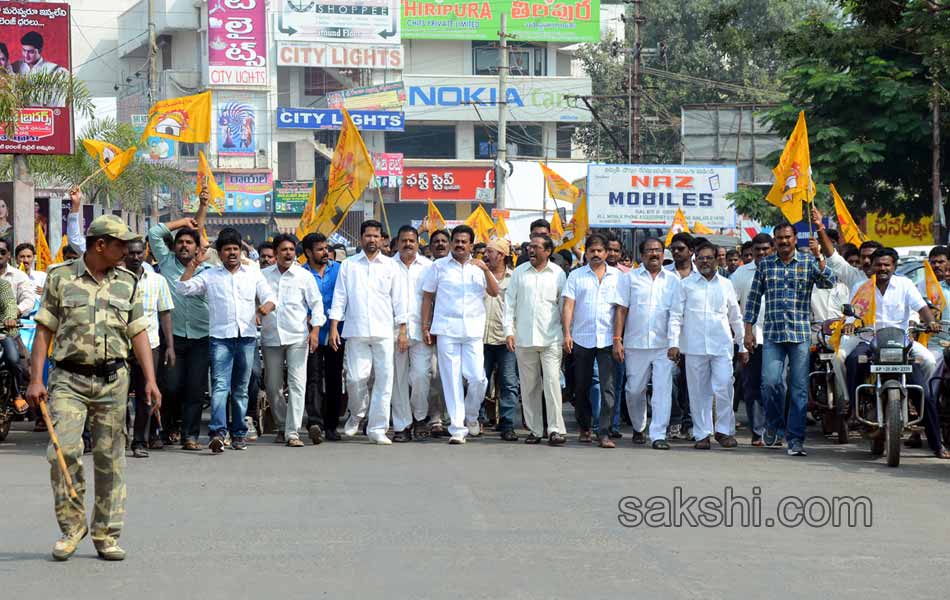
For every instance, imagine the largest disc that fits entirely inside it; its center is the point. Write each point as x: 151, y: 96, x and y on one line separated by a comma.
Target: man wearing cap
x: 498, y: 357
x: 91, y: 313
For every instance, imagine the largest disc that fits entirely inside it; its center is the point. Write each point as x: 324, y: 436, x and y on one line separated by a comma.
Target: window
x: 286, y: 161
x: 187, y: 149
x: 524, y: 141
x: 565, y: 135
x: 318, y: 82
x: 524, y: 59
x: 423, y: 141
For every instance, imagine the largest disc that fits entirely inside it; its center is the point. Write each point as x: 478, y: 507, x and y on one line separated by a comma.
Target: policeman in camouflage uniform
x: 91, y: 312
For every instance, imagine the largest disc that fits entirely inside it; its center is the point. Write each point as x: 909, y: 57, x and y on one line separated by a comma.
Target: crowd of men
x: 419, y: 335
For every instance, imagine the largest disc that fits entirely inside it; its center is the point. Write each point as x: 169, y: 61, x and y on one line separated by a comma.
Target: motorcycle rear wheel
x: 4, y: 428
x: 895, y: 427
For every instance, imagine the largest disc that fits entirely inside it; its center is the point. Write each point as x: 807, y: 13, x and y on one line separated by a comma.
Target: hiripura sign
x: 529, y: 20
x: 648, y: 196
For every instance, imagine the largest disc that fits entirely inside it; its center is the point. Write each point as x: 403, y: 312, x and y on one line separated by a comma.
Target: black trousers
x: 323, y: 399
x: 186, y: 385
x: 142, y: 420
x: 583, y: 375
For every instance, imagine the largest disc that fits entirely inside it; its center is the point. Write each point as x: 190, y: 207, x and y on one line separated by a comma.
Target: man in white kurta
x: 706, y: 312
x: 453, y: 312
x: 641, y: 329
x: 414, y: 363
x: 370, y: 300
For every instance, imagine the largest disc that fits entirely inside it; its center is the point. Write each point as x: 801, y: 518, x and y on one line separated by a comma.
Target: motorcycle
x: 882, y: 406
x: 940, y: 382
x: 823, y: 403
x: 8, y: 393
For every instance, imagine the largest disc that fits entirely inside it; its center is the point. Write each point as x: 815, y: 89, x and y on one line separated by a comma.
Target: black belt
x: 103, y: 369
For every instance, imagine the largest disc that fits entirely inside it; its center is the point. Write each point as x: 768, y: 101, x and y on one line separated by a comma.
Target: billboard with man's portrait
x: 34, y: 38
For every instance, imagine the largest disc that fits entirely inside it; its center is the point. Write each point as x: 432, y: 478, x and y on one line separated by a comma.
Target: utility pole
x: 501, y: 153
x: 935, y: 183
x: 152, y: 92
x: 637, y: 68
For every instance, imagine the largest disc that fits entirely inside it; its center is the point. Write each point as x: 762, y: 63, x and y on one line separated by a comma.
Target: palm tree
x: 36, y: 89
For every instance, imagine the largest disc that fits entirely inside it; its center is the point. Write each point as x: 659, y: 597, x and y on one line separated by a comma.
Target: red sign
x: 36, y: 36
x: 445, y: 184
x: 237, y: 43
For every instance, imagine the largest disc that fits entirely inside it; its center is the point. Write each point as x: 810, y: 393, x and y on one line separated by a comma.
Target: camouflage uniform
x: 92, y: 323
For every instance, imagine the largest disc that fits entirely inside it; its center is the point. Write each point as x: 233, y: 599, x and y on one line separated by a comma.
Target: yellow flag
x: 864, y: 302
x: 558, y: 187
x: 59, y: 253
x: 679, y: 225
x: 44, y: 257
x: 557, y: 227
x: 309, y: 212
x: 698, y: 227
x: 434, y: 219
x: 186, y: 119
x: 481, y: 223
x: 934, y: 295
x: 112, y: 160
x: 850, y: 232
x: 501, y: 227
x: 350, y: 172
x: 206, y: 177
x: 793, y: 181
x: 577, y: 228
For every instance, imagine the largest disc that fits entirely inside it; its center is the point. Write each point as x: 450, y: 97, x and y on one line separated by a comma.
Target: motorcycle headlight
x: 891, y: 355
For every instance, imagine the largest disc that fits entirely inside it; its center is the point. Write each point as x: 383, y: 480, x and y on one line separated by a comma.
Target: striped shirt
x: 787, y: 290
x: 593, y: 323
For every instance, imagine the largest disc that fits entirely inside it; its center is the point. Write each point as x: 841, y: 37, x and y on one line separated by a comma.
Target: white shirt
x: 38, y: 278
x: 895, y: 305
x: 845, y: 273
x: 742, y: 283
x: 593, y: 325
x: 232, y: 299
x: 23, y: 289
x: 156, y: 298
x: 648, y: 299
x: 533, y: 305
x: 413, y: 276
x: 459, y: 298
x: 297, y: 297
x: 701, y: 316
x: 826, y: 304
x: 369, y: 297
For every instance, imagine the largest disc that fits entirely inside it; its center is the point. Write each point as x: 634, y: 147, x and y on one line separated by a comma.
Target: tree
x: 866, y: 85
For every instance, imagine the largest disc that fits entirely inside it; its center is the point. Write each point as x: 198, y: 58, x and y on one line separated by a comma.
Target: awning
x: 287, y: 224
x: 218, y: 221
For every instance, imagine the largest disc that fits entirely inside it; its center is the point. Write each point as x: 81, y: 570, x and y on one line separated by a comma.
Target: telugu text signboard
x: 467, y: 98
x: 363, y: 22
x: 896, y: 231
x: 528, y: 20
x: 648, y: 196
x: 244, y: 192
x: 327, y: 118
x: 445, y: 184
x: 339, y: 56
x: 387, y: 168
x: 237, y: 44
x: 36, y: 36
x: 375, y: 97
x: 291, y: 196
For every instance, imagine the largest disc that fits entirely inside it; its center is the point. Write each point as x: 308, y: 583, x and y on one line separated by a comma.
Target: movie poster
x: 237, y: 130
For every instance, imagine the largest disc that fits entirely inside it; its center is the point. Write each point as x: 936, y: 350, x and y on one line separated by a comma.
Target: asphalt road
x: 485, y: 520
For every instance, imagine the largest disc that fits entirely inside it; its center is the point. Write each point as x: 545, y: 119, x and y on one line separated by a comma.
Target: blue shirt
x: 787, y: 290
x: 326, y: 283
x: 190, y: 315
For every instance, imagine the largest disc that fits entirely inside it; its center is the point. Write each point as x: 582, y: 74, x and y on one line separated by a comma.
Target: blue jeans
x: 774, y: 357
x: 620, y: 380
x: 231, y: 360
x: 498, y: 357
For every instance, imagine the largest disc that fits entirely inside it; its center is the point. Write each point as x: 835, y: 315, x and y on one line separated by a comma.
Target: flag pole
x: 96, y: 172
x: 382, y: 206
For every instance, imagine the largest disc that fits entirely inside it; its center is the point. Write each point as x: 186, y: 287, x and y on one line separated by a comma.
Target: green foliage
x: 38, y: 89
x: 750, y: 201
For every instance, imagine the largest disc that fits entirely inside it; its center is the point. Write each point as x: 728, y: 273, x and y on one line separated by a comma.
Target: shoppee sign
x: 468, y: 98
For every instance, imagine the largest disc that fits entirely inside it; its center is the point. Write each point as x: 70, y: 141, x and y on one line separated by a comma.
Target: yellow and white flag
x: 679, y: 225
x: 793, y: 178
x: 112, y: 159
x: 558, y: 187
x: 481, y: 223
x: 850, y: 231
x: 186, y: 119
x: 576, y: 231
x: 206, y: 177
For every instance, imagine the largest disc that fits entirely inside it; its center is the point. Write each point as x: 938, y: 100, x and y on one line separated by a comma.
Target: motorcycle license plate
x: 826, y: 356
x: 892, y: 369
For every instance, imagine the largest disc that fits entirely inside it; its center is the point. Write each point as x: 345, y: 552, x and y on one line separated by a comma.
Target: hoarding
x: 156, y: 149
x: 353, y: 21
x: 339, y: 56
x: 291, y: 196
x: 237, y: 44
x: 895, y: 231
x: 467, y: 98
x: 388, y: 168
x: 649, y: 195
x: 237, y: 129
x: 244, y: 192
x: 36, y: 35
x: 375, y: 97
x: 327, y: 118
x: 445, y: 184
x: 528, y: 20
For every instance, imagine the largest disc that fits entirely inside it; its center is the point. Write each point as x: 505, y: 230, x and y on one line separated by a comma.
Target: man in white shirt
x: 414, y: 364
x: 369, y: 298
x: 642, y: 304
x: 453, y: 317
x: 23, y: 288
x: 751, y: 374
x: 237, y: 296
x: 532, y: 310
x: 587, y: 323
x: 26, y: 257
x: 705, y: 320
x: 895, y: 298
x: 157, y: 305
x: 33, y: 62
x: 286, y: 339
